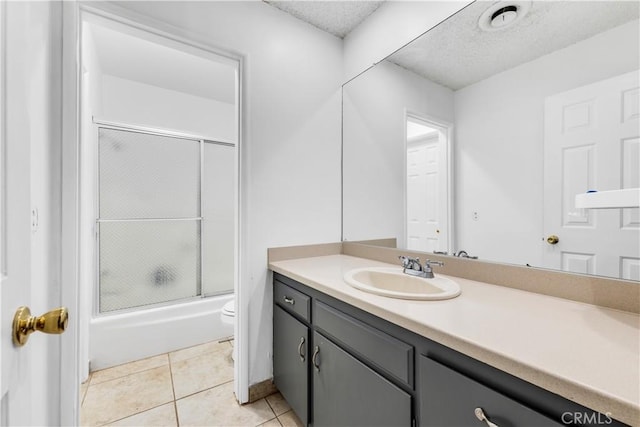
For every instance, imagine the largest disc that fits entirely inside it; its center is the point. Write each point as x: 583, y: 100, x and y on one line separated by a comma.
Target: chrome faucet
x: 464, y: 254
x: 412, y: 267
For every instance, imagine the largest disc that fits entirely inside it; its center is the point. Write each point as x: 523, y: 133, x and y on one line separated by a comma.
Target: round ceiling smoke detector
x: 503, y: 14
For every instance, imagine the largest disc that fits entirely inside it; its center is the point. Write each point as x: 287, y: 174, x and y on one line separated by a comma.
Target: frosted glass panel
x: 148, y: 262
x: 218, y: 211
x: 148, y: 176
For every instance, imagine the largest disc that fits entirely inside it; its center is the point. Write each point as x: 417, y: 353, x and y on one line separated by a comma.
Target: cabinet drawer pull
x: 300, y: 349
x: 289, y: 300
x: 482, y: 417
x: 314, y: 358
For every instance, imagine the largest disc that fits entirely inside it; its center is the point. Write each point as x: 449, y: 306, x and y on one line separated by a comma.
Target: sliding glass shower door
x: 166, y: 226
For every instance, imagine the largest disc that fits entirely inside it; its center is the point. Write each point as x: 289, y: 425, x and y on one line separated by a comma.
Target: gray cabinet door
x: 348, y: 393
x: 449, y: 398
x: 290, y: 355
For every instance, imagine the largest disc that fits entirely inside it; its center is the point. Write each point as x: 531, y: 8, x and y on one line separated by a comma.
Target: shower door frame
x: 73, y: 14
x: 201, y: 140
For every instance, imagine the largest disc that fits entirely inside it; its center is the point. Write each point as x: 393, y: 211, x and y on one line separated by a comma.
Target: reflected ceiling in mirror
x: 458, y: 53
x: 540, y: 111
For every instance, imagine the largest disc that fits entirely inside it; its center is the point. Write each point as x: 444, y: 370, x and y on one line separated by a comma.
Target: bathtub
x: 120, y: 338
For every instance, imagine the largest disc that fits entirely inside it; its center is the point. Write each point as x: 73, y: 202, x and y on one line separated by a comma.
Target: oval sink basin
x: 392, y: 282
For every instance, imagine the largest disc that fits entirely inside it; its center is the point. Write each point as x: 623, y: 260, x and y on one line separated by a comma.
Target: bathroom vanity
x: 493, y: 356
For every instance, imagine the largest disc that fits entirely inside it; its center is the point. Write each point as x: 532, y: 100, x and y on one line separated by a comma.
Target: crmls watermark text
x: 580, y: 418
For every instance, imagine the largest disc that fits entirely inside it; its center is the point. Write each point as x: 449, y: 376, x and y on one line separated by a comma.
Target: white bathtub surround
x: 122, y: 338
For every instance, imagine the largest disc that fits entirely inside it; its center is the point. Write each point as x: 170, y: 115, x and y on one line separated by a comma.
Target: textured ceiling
x: 458, y: 53
x: 335, y: 17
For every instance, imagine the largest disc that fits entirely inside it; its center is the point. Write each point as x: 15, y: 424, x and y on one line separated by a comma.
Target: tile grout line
x: 84, y: 395
x: 175, y: 409
x: 270, y: 407
x: 293, y: 414
x: 131, y: 415
x: 173, y: 387
x: 126, y: 375
x: 197, y: 355
x: 203, y: 390
x: 274, y: 418
x: 173, y: 390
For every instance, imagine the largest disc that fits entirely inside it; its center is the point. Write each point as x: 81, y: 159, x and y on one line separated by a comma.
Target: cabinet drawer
x: 386, y: 352
x: 291, y: 300
x: 448, y: 398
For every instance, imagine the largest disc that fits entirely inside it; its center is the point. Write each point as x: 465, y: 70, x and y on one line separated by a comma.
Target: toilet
x: 228, y: 312
x: 227, y: 316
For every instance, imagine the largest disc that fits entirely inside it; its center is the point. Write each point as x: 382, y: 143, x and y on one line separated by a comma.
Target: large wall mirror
x: 478, y: 135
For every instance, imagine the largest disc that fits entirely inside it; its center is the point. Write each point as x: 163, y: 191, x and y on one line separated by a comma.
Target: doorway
x: 159, y: 152
x: 427, y: 184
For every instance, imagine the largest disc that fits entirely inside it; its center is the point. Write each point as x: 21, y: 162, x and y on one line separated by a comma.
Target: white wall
x: 128, y: 101
x: 500, y: 141
x: 390, y: 27
x: 374, y: 149
x: 291, y: 137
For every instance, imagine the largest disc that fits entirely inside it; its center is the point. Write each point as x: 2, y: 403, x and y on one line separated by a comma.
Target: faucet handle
x: 410, y: 263
x: 429, y: 263
x: 404, y: 260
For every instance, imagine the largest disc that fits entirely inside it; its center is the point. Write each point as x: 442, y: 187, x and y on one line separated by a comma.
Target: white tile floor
x: 189, y: 387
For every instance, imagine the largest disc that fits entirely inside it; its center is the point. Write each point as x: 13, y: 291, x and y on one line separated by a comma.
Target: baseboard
x: 261, y: 389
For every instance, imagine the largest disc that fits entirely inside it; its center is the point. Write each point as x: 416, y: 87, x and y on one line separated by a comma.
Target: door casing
x: 71, y: 363
x: 446, y: 130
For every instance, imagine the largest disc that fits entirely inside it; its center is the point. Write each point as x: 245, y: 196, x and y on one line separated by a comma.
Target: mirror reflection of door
x: 427, y: 185
x: 591, y: 143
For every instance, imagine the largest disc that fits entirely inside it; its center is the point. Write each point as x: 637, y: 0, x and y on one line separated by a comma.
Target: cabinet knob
x: 289, y: 300
x: 302, y: 357
x: 314, y: 358
x: 482, y: 417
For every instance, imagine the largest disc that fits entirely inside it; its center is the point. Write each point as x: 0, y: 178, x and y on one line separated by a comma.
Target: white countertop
x: 586, y: 353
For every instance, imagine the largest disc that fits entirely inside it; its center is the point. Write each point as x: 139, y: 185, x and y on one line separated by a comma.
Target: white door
x: 427, y: 192
x: 29, y: 230
x: 592, y: 142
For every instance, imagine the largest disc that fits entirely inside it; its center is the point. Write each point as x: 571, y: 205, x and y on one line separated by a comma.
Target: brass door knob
x: 53, y: 322
x: 553, y: 239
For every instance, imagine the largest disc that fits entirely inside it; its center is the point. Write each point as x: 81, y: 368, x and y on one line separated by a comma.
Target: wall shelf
x: 625, y: 198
